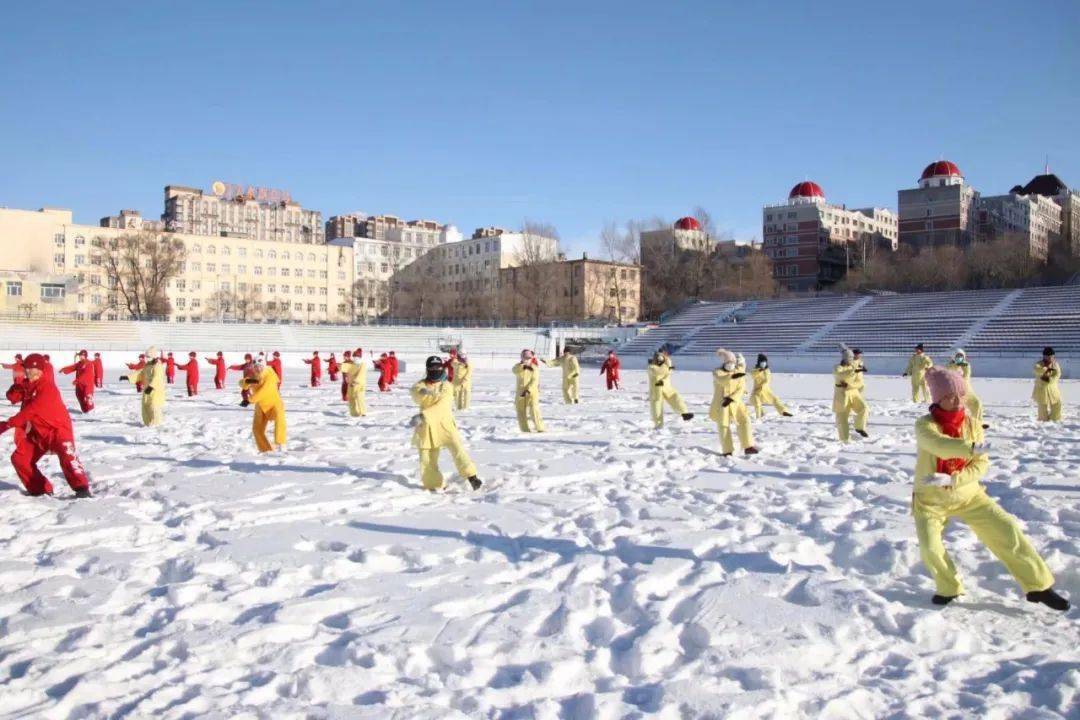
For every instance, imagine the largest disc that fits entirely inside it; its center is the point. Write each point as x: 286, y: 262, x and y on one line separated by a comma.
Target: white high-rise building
x: 233, y: 211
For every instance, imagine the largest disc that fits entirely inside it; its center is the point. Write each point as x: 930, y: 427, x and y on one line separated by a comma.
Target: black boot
x: 863, y: 433
x: 943, y: 599
x: 475, y: 482
x: 751, y: 450
x: 985, y: 426
x: 688, y: 416
x: 787, y: 414
x: 1049, y: 598
x: 83, y: 493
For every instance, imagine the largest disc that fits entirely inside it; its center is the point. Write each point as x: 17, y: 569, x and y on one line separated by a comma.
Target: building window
x: 52, y: 291
x: 14, y: 288
x: 58, y: 259
x: 79, y: 240
x: 58, y: 239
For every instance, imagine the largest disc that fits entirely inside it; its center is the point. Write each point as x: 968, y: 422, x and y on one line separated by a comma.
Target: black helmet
x: 433, y: 362
x: 761, y: 358
x: 1048, y: 351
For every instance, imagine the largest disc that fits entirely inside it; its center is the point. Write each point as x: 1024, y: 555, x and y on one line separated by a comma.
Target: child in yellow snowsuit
x: 1047, y: 392
x: 355, y: 376
x: 570, y: 371
x: 661, y: 390
x: 960, y: 364
x: 269, y: 408
x: 462, y: 380
x: 762, y: 393
x: 916, y: 370
x: 152, y: 381
x: 948, y: 467
x: 436, y: 429
x: 729, y: 385
x: 527, y: 394
x: 847, y: 396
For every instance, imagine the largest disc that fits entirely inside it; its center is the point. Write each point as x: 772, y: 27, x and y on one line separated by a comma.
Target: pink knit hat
x: 944, y: 382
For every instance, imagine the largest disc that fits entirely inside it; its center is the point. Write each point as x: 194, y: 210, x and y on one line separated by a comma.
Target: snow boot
x: 475, y: 482
x: 943, y: 599
x: 863, y: 433
x: 787, y: 414
x: 985, y: 426
x: 83, y: 493
x: 688, y: 416
x: 1049, y: 598
x: 751, y: 451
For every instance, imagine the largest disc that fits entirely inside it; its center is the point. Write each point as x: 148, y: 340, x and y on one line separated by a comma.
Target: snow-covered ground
x: 606, y: 570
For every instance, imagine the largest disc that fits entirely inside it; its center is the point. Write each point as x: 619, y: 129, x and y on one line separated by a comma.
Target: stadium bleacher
x: 120, y: 335
x: 1001, y: 322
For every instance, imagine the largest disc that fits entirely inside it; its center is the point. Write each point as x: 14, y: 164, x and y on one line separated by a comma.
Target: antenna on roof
x: 1046, y: 168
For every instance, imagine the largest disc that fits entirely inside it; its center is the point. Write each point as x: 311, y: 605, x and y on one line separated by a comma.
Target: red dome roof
x: 806, y: 189
x: 687, y: 223
x: 939, y: 168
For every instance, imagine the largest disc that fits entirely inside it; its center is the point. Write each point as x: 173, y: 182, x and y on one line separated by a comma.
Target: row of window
x: 48, y: 291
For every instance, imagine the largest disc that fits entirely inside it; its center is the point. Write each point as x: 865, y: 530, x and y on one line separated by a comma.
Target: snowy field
x: 606, y: 570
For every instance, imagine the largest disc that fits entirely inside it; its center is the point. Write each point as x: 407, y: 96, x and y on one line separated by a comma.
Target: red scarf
x: 952, y: 424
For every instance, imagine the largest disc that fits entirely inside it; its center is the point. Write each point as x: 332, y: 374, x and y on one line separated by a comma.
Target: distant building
x: 59, y: 266
x: 131, y: 220
x: 383, y: 245
x: 941, y: 211
x: 1031, y: 218
x: 665, y: 244
x: 462, y: 278
x: 232, y: 211
x: 1050, y: 186
x: 812, y: 244
x: 573, y: 291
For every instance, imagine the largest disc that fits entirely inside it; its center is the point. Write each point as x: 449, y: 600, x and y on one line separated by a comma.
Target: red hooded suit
x: 170, y: 369
x: 137, y: 366
x: 191, y: 368
x: 99, y: 371
x: 42, y: 426
x: 84, y: 381
x: 219, y: 370
x: 316, y: 369
x: 275, y: 365
x: 611, y: 368
x: 383, y: 366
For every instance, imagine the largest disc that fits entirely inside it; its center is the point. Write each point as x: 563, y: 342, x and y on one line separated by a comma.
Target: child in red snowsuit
x: 170, y: 369
x: 136, y: 367
x: 316, y: 369
x: 394, y: 368
x: 42, y: 426
x: 84, y: 380
x: 611, y: 368
x: 275, y: 365
x: 191, y: 367
x: 243, y: 367
x: 99, y: 371
x: 383, y: 366
x: 219, y: 370
x: 332, y: 368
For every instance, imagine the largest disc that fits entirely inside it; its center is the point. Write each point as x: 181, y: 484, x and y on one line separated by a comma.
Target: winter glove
x: 841, y: 384
x: 726, y: 401
x: 659, y: 383
x: 245, y: 403
x: 905, y: 375
x: 251, y: 381
x: 148, y: 391
x: 573, y: 376
x: 738, y: 375
x: 938, y: 480
x: 862, y: 370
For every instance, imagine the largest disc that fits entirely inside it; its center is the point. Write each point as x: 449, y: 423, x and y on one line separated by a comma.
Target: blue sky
x: 573, y: 113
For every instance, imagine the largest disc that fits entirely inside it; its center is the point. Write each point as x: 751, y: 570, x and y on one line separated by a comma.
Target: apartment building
x: 811, y: 243
x: 571, y: 291
x: 235, y: 211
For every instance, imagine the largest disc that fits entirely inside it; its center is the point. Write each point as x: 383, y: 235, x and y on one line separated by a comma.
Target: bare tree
x: 138, y: 268
x: 539, y: 248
